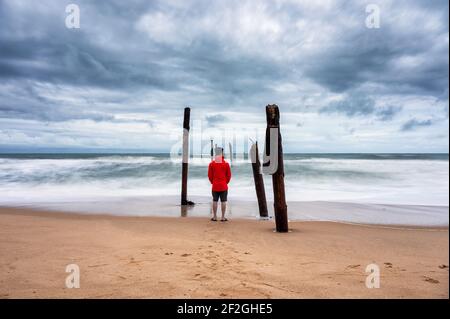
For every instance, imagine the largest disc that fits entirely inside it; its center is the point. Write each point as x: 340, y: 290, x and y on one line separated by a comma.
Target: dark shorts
x: 223, y: 196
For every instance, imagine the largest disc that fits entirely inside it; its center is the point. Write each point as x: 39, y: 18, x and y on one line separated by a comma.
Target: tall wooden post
x: 184, y: 173
x: 259, y: 183
x: 276, y: 158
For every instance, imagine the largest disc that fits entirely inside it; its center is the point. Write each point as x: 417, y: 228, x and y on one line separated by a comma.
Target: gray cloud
x: 213, y: 120
x: 403, y: 56
x: 388, y: 113
x: 414, y: 124
x: 356, y: 104
x: 351, y: 106
x: 130, y: 60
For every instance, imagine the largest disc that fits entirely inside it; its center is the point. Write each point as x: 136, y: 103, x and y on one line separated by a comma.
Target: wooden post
x: 280, y: 207
x: 259, y: 183
x: 184, y: 173
x: 212, y: 150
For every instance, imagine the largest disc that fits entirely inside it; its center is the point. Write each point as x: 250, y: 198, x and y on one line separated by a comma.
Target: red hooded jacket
x: 219, y: 174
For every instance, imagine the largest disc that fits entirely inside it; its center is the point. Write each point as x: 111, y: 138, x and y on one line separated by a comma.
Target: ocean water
x: 385, y: 179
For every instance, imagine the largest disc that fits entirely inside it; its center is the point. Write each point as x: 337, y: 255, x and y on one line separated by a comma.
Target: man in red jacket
x: 219, y: 174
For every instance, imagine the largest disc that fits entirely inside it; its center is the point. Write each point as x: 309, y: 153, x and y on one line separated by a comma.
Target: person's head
x: 219, y: 155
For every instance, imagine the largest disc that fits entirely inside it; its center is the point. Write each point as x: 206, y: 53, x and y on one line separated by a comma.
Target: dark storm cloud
x: 353, y: 106
x: 130, y: 61
x: 360, y: 55
x: 357, y: 104
x: 45, y: 110
x: 159, y: 56
x: 370, y: 56
x: 74, y: 57
x: 26, y: 103
x: 78, y: 64
x: 388, y: 113
x: 232, y: 76
x: 414, y: 124
x: 401, y: 58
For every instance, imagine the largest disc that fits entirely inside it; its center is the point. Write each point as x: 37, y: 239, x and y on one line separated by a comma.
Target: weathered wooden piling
x: 184, y: 173
x: 276, y: 158
x: 259, y: 182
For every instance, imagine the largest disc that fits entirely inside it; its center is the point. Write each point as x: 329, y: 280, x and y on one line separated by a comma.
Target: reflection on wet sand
x: 185, y: 209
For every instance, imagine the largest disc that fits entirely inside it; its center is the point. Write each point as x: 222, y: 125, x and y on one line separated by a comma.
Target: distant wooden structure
x: 231, y: 153
x: 212, y: 150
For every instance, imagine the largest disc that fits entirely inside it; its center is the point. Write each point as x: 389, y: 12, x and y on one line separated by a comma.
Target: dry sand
x: 151, y: 257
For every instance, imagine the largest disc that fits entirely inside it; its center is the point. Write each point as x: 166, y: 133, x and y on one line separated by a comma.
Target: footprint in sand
x: 388, y: 265
x: 443, y: 266
x: 200, y: 276
x: 133, y: 261
x: 353, y: 266
x: 430, y: 280
x: 185, y: 255
x: 100, y: 265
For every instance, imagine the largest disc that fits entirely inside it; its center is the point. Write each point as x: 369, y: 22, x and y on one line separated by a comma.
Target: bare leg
x: 214, y: 208
x: 223, y: 206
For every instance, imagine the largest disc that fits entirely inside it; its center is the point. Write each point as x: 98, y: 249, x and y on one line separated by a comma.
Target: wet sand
x: 157, y: 257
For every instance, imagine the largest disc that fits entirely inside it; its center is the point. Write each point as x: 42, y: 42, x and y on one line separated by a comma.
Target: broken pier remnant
x: 275, y: 167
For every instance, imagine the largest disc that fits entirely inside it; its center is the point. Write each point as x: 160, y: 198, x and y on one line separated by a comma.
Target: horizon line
x: 204, y: 154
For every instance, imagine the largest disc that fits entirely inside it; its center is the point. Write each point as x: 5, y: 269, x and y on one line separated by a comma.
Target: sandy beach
x: 156, y: 257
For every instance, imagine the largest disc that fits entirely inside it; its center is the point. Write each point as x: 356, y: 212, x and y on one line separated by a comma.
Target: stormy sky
x: 121, y: 80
